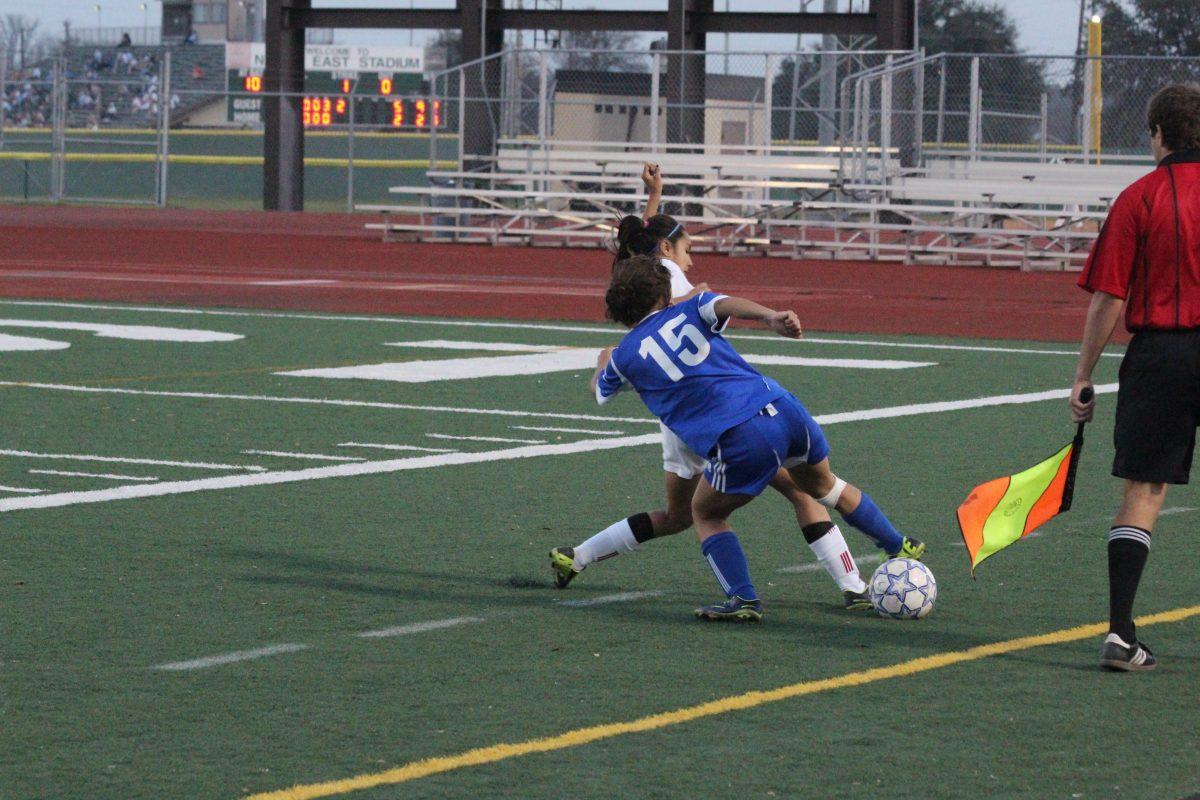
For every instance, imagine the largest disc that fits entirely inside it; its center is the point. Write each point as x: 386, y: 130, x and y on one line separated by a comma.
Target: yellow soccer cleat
x: 562, y: 561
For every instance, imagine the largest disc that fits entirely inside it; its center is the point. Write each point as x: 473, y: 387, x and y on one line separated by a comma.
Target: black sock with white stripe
x: 1128, y: 548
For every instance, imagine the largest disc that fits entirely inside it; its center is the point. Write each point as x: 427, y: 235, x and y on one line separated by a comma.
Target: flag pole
x: 1076, y: 449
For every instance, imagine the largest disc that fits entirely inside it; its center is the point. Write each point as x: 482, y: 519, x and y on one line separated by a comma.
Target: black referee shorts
x: 1158, y: 407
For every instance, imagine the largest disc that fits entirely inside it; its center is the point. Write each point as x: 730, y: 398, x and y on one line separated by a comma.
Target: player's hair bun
x: 630, y: 226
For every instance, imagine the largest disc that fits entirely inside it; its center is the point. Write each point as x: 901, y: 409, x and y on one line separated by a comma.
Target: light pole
x: 145, y: 20
x: 98, y: 25
x: 727, y: 42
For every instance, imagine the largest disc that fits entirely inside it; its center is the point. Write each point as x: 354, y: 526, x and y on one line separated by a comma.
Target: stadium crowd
x: 106, y: 87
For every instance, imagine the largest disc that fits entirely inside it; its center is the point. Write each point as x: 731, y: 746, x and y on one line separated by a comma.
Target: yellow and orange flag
x: 1008, y: 509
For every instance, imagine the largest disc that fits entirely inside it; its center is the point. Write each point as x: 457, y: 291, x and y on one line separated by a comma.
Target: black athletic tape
x: 816, y: 531
x: 642, y: 527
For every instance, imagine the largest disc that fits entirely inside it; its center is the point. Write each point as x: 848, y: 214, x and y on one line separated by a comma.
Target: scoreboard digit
x: 380, y: 86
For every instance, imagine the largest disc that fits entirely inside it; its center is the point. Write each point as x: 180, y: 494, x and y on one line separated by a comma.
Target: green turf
x: 94, y: 595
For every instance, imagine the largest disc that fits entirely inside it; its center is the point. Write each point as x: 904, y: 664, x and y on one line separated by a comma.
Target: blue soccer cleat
x: 735, y: 609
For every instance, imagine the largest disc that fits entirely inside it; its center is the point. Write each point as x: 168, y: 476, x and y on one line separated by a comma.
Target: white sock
x: 834, y: 555
x: 612, y: 541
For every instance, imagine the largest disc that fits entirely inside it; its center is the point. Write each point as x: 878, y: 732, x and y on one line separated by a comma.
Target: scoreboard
x: 381, y: 86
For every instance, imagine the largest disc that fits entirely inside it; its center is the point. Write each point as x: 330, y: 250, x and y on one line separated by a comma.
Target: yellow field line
x: 150, y: 158
x: 582, y: 736
x: 229, y: 132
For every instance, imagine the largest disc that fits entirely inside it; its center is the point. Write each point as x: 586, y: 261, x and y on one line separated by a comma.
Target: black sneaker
x: 857, y: 601
x: 1116, y: 656
x: 735, y: 609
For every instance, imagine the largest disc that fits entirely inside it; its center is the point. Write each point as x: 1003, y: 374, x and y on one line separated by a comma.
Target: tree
x: 17, y: 33
x: 1012, y: 87
x: 621, y: 51
x: 1141, y: 28
x: 450, y: 42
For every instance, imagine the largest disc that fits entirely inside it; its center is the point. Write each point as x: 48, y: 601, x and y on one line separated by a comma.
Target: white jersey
x: 677, y: 456
x: 680, y: 285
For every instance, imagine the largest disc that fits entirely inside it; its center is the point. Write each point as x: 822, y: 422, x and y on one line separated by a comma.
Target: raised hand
x: 652, y: 178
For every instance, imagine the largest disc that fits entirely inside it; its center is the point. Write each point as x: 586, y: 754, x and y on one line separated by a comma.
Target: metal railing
x: 147, y: 36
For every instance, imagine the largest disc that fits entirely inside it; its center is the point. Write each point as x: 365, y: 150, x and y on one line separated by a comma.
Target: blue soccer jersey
x: 687, y: 374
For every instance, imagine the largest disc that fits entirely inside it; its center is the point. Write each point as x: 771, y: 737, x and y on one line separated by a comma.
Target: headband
x: 674, y: 230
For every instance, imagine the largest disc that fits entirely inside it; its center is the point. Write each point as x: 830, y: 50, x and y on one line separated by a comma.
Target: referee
x: 1147, y: 259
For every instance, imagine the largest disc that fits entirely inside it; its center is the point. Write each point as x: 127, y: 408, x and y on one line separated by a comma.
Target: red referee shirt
x: 1148, y: 251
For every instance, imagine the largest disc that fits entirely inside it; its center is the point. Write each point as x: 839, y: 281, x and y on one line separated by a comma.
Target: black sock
x: 816, y: 530
x: 642, y: 527
x: 1128, y: 548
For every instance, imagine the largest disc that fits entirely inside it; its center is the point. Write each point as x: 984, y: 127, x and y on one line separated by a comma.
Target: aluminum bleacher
x: 776, y: 201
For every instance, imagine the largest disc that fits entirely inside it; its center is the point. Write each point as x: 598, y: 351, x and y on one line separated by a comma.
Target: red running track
x: 327, y: 262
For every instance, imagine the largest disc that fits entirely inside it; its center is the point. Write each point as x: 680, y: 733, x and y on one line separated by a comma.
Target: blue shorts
x: 748, y: 455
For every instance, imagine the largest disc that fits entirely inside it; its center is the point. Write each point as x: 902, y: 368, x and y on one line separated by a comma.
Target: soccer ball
x: 902, y: 589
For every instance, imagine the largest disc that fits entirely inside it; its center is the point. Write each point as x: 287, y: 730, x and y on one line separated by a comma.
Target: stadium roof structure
x: 483, y: 22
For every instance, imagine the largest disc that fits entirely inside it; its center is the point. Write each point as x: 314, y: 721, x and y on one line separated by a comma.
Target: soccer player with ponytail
x: 705, y: 393
x: 662, y: 236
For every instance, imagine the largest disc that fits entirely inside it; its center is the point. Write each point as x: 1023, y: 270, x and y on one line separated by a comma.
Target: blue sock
x: 871, y: 521
x: 728, y: 562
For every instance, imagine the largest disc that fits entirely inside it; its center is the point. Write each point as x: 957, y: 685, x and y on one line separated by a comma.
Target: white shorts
x: 678, y: 457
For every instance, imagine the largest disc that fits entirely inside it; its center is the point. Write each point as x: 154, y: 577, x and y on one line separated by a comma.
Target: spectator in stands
x: 127, y: 60
x: 110, y: 113
x: 192, y: 38
x: 197, y: 72
x: 125, y: 40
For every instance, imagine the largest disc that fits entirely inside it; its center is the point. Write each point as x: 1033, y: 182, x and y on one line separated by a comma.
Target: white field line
x: 143, y: 333
x: 320, y: 401
x: 453, y: 459
x: 1167, y: 512
x: 320, y: 473
x: 927, y: 346
x: 418, y: 627
x: 122, y: 460
x: 387, y: 633
x: 502, y: 347
x: 623, y: 597
x: 564, y: 430
x: 229, y: 658
x: 870, y: 558
x: 308, y: 282
x: 313, y: 456
x: 20, y: 490
x: 499, y: 439
x: 1087, y: 522
x: 404, y: 447
x: 611, y: 330
x: 108, y: 475
x: 955, y: 405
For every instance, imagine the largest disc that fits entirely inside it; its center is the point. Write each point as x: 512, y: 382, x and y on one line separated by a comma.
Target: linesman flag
x: 1005, y: 510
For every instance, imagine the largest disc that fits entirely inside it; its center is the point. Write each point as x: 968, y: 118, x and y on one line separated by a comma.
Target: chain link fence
x: 1008, y: 106
x: 123, y: 127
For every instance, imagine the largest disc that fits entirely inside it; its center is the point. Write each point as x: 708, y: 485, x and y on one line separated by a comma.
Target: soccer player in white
x: 663, y: 236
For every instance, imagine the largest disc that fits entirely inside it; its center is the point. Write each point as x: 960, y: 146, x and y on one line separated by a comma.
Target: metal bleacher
x: 880, y: 194
x: 789, y: 201
x: 573, y: 192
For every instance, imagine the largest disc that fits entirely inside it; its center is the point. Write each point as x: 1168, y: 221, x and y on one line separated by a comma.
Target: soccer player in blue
x: 693, y: 380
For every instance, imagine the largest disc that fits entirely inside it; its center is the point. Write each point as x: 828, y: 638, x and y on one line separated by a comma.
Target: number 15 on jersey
x: 678, y: 342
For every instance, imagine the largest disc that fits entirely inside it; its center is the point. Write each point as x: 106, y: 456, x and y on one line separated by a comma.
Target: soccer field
x: 249, y: 551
